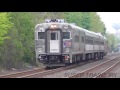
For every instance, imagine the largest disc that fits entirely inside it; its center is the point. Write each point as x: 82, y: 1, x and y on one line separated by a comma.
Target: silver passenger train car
x: 58, y: 43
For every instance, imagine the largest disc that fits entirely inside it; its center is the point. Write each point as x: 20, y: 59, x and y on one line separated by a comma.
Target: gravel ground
x: 67, y: 73
x: 61, y: 74
x: 115, y: 72
x: 96, y: 71
x: 13, y: 70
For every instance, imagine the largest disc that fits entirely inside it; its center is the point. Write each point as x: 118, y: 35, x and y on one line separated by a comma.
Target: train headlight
x: 39, y: 57
x: 53, y: 26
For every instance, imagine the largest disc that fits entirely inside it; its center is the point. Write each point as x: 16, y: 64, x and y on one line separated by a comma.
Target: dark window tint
x: 41, y: 35
x: 89, y: 40
x: 101, y: 43
x: 97, y: 42
x: 66, y: 35
x: 54, y: 36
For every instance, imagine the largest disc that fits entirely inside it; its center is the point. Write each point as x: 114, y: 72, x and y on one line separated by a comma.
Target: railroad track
x: 38, y: 72
x: 18, y: 74
x: 34, y: 72
x: 98, y: 71
x: 48, y: 72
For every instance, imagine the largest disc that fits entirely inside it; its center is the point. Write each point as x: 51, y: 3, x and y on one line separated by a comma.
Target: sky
x: 109, y: 18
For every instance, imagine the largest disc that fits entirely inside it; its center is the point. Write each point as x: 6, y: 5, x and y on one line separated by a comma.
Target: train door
x: 53, y: 41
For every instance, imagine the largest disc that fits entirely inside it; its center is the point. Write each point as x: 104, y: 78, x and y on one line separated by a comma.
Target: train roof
x: 87, y: 31
x: 62, y: 22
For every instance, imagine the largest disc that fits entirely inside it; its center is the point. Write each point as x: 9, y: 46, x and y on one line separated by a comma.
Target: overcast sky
x: 109, y: 18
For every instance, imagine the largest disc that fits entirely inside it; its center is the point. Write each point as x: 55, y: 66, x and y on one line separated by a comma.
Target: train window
x: 41, y: 35
x: 89, y: 40
x: 76, y: 38
x: 97, y: 42
x: 66, y: 35
x: 101, y: 43
x: 54, y: 36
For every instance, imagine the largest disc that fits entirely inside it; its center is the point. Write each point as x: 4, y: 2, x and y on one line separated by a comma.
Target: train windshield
x: 54, y: 36
x: 66, y: 35
x: 41, y: 35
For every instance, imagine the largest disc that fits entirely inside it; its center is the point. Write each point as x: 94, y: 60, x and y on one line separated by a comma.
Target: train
x: 58, y: 43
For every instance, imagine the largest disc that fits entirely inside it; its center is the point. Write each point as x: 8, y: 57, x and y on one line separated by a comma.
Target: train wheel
x: 95, y: 56
x: 101, y: 55
x: 81, y: 58
x: 48, y: 67
x: 66, y: 64
x: 75, y: 59
x: 87, y: 57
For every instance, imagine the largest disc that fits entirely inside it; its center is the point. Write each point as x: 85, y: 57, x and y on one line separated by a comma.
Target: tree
x: 5, y: 26
x: 111, y: 41
x: 96, y: 24
x: 88, y: 20
x: 19, y: 49
x: 24, y: 25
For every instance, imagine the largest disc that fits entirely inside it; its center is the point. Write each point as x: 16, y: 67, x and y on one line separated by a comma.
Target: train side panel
x: 60, y: 44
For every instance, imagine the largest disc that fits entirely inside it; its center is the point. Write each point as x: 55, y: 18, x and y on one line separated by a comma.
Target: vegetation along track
x: 100, y: 70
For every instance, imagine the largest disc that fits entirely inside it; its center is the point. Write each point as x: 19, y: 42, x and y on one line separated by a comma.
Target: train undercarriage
x: 54, y: 60
x: 64, y: 60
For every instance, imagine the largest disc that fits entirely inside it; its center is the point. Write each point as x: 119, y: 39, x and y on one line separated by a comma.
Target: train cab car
x: 58, y: 43
x: 53, y: 42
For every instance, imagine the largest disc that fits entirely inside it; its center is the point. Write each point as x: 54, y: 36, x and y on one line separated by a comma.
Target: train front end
x: 53, y: 43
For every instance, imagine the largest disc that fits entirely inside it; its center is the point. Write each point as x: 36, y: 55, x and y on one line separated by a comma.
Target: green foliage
x: 20, y: 47
x: 73, y: 17
x: 87, y: 20
x: 117, y: 41
x: 25, y: 35
x: 111, y: 40
x: 96, y: 24
x: 17, y: 33
x: 5, y: 26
